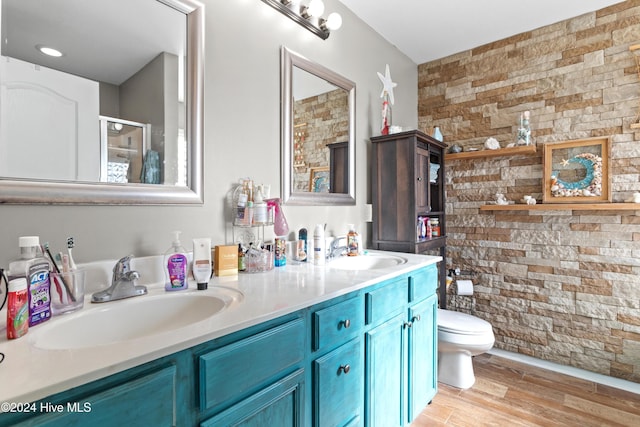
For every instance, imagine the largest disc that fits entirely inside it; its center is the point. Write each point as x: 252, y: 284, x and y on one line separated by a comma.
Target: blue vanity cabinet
x: 363, y: 358
x: 338, y: 363
x: 400, y: 349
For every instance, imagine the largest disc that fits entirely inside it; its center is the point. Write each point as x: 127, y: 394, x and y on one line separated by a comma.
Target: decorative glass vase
x: 437, y: 135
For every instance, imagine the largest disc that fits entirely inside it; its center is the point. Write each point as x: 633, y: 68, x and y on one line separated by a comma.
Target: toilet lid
x: 462, y: 323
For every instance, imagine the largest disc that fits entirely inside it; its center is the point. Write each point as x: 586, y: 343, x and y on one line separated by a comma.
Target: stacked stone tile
x: 558, y: 285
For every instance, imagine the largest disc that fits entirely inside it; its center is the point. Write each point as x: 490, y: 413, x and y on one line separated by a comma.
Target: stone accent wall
x: 558, y: 285
x: 318, y: 121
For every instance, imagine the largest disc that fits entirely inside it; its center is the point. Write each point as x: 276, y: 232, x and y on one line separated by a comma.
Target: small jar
x: 435, y: 227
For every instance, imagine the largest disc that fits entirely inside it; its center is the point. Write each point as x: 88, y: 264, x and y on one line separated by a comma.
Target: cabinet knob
x: 407, y: 325
x: 419, y: 178
x: 344, y: 368
x: 416, y: 318
x: 346, y: 323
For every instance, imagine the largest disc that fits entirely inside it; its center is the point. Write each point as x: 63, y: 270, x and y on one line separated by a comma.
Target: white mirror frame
x: 288, y: 60
x: 24, y: 191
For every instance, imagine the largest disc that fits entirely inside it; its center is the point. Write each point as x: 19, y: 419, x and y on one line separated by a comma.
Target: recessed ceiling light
x: 49, y: 51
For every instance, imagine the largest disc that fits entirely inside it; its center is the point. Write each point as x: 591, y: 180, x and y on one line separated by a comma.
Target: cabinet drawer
x: 423, y: 283
x: 238, y: 369
x: 386, y: 301
x: 338, y: 386
x: 338, y: 323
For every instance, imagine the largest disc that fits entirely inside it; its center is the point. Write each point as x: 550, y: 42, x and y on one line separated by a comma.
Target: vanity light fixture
x: 308, y: 16
x: 49, y: 51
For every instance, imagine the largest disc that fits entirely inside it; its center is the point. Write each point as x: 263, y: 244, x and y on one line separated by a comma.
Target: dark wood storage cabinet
x: 407, y: 183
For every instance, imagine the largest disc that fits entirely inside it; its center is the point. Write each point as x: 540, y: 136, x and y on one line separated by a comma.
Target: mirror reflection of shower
x: 123, y: 147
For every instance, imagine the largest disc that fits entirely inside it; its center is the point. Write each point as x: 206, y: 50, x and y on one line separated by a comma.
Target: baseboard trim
x: 569, y: 370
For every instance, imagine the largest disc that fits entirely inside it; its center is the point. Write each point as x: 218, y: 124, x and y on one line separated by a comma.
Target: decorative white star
x: 388, y: 85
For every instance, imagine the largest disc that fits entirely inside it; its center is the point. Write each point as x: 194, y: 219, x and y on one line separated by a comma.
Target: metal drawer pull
x: 346, y: 323
x: 344, y: 368
x: 416, y: 318
x: 407, y: 325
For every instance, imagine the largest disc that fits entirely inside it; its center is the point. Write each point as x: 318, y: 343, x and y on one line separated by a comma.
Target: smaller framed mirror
x: 317, y: 134
x: 577, y: 171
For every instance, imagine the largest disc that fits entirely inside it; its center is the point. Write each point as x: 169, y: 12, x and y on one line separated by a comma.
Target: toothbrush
x: 55, y: 279
x: 66, y: 269
x: 70, y: 245
x: 55, y: 266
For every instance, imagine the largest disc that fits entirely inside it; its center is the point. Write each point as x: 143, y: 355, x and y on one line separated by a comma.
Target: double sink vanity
x: 349, y: 343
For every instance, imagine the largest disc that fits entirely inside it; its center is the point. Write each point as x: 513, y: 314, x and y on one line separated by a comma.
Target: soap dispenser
x: 353, y: 241
x: 176, y: 265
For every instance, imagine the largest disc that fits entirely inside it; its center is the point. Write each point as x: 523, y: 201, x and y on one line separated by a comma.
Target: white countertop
x: 29, y: 373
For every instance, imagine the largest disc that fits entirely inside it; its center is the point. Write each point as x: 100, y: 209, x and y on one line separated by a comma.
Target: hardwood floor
x: 509, y: 393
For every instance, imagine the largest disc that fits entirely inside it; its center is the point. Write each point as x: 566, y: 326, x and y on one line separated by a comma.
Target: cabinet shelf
x: 564, y: 206
x: 511, y: 151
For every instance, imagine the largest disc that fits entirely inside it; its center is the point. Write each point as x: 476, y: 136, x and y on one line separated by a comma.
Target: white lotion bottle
x: 259, y: 208
x: 318, y: 245
x: 202, y: 262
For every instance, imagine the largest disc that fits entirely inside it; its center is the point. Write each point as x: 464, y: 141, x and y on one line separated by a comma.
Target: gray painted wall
x: 242, y: 135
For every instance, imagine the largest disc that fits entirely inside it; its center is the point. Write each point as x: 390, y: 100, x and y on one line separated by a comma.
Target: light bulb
x: 315, y: 8
x: 334, y: 21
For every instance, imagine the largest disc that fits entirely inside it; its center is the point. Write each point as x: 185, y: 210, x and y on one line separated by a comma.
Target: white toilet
x: 460, y: 336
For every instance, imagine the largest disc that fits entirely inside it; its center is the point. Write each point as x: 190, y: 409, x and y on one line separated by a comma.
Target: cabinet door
x: 338, y: 385
x: 423, y: 343
x: 128, y: 404
x: 384, y: 373
x: 280, y: 404
x: 423, y: 204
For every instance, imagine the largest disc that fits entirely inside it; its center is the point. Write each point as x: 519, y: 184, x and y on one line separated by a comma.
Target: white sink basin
x: 366, y: 262
x: 129, y: 319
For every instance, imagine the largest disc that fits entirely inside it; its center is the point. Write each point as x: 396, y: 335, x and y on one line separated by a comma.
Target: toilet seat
x: 455, y: 322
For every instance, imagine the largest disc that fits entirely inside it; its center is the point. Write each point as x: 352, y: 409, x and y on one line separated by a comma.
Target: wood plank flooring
x: 510, y: 393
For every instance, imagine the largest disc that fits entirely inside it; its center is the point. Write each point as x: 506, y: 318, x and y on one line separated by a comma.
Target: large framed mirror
x: 115, y: 116
x: 317, y: 135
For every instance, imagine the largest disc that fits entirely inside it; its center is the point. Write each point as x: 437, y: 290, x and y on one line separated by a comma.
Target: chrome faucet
x: 335, y: 249
x: 123, y: 283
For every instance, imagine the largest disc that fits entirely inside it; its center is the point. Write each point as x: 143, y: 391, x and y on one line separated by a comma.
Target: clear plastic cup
x: 67, y: 291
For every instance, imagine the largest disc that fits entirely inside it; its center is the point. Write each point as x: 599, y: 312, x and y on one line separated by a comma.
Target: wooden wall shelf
x: 565, y: 206
x: 512, y: 151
